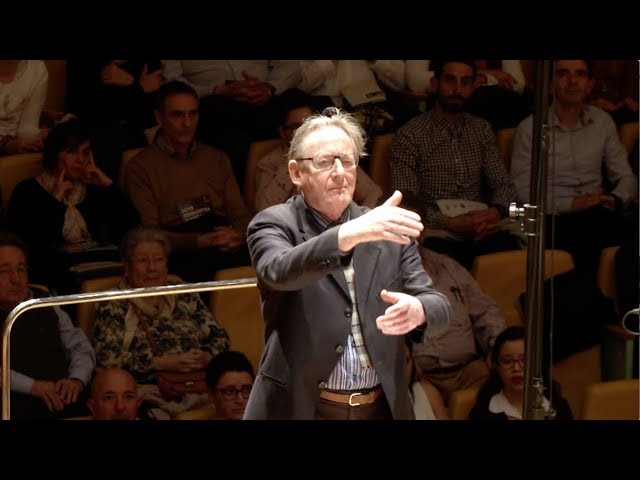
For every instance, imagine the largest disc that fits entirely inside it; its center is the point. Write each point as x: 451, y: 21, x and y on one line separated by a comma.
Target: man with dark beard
x: 449, y: 161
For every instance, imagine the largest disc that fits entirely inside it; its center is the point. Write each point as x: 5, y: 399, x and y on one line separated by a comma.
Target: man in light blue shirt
x: 52, y: 361
x: 585, y: 206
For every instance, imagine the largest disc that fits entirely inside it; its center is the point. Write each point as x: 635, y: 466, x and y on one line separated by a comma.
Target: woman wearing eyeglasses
x: 165, y: 342
x: 501, y: 397
x: 229, y: 380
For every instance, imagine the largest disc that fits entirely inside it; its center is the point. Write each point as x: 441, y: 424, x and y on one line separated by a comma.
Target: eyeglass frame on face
x: 19, y: 271
x: 244, y: 392
x: 349, y: 165
x: 146, y: 261
x: 509, y: 363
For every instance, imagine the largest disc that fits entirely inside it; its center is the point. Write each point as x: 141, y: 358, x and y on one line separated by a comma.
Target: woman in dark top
x: 501, y: 397
x: 115, y: 99
x: 70, y: 204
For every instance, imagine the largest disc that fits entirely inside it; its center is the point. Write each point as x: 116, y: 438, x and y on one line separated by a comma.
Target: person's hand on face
x: 61, y: 186
x: 94, y: 176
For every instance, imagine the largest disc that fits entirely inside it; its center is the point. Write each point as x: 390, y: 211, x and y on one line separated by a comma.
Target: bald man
x: 114, y: 395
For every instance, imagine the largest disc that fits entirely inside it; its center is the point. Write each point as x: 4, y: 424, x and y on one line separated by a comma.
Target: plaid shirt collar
x: 451, y: 128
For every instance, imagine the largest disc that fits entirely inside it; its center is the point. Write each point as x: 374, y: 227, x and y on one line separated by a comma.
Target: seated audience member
x: 114, y: 395
x: 501, y: 397
x: 616, y: 89
x: 273, y: 184
x: 63, y: 211
x: 427, y: 401
x: 455, y: 358
x: 51, y: 360
x: 449, y: 160
x: 229, y: 380
x: 23, y: 91
x: 367, y: 88
x: 115, y: 99
x: 589, y: 182
x: 153, y: 337
x: 235, y: 97
x: 188, y: 189
x: 498, y: 89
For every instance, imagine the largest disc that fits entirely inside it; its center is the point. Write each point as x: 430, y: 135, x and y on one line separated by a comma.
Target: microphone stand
x: 533, y: 216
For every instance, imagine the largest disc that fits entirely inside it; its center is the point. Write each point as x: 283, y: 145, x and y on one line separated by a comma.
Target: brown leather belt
x: 353, y: 399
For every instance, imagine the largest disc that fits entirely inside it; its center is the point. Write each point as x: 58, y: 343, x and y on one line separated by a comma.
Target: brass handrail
x: 96, y: 297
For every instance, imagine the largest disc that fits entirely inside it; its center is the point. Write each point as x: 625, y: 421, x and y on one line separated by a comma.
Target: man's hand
x: 226, y: 239
x: 386, y: 222
x: 405, y: 313
x: 591, y: 199
x: 113, y: 74
x: 150, y: 82
x: 68, y: 389
x: 46, y: 391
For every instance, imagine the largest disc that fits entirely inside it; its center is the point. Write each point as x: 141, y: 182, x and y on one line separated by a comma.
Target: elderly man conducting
x: 341, y: 285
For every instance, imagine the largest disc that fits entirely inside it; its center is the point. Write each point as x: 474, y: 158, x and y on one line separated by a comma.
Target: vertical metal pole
x: 533, y: 379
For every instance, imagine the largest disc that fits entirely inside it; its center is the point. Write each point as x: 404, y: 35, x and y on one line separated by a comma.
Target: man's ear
x: 294, y: 173
x: 158, y: 116
x: 91, y: 405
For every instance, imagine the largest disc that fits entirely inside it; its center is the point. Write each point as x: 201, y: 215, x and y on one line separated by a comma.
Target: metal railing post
x: 96, y: 297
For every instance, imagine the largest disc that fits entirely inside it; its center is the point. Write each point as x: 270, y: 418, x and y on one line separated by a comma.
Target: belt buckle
x: 351, y: 398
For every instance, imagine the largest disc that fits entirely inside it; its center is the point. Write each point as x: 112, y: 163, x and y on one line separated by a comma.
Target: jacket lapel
x: 309, y: 229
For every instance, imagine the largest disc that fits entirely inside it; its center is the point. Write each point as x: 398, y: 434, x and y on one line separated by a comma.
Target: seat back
x: 617, y: 400
x: 628, y: 134
x: 86, y: 312
x: 461, y: 402
x: 503, y: 275
x: 56, y: 85
x: 379, y: 167
x: 239, y: 312
x: 607, y: 273
x: 127, y: 155
x: 14, y: 169
x: 257, y: 150
x: 504, y: 139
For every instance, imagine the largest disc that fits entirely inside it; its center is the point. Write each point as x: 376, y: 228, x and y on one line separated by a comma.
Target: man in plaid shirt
x: 446, y: 154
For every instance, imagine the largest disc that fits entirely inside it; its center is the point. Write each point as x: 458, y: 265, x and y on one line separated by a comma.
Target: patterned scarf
x: 151, y: 308
x: 74, y: 228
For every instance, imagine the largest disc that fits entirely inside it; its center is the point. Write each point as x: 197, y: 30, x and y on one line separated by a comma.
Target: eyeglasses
x: 229, y: 393
x: 20, y: 271
x: 155, y: 261
x: 511, y: 362
x: 326, y: 161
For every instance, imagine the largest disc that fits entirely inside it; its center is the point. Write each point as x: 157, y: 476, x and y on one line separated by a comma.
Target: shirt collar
x: 324, y: 222
x: 585, y: 118
x: 500, y: 404
x: 163, y: 145
x: 451, y: 128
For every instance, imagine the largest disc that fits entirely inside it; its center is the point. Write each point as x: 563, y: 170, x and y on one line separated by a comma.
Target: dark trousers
x: 584, y: 234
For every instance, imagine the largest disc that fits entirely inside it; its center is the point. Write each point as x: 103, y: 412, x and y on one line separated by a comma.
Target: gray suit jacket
x: 306, y: 307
